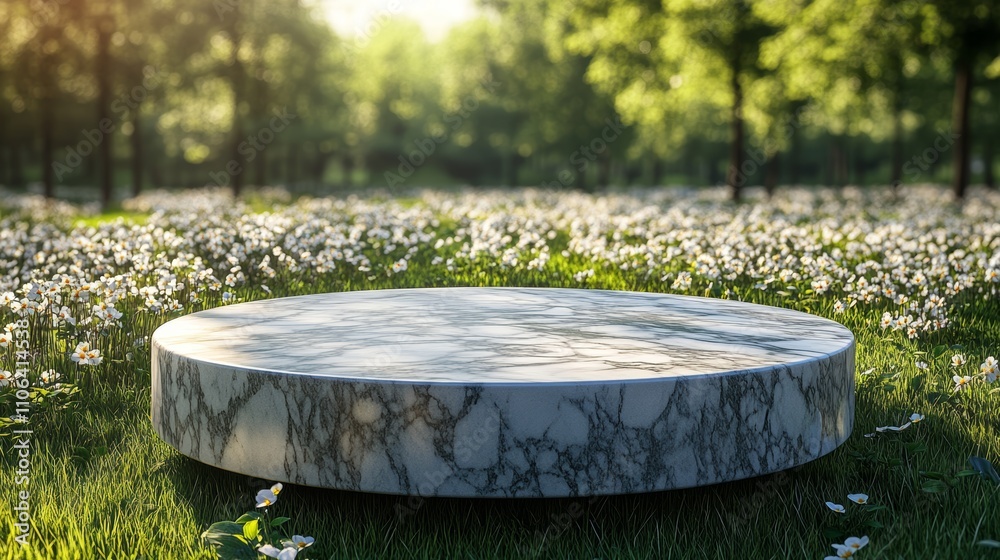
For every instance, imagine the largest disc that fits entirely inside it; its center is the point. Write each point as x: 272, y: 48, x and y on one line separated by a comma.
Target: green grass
x: 104, y: 486
x: 110, y: 217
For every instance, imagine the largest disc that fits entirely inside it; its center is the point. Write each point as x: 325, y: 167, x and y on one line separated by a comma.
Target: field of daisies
x: 916, y: 277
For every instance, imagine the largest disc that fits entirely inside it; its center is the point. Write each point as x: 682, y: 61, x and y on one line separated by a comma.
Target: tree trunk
x: 835, y: 166
x: 347, y: 165
x: 156, y: 177
x: 177, y: 166
x: 260, y: 168
x: 960, y: 126
x: 236, y: 80
x: 657, y: 171
x: 136, y: 141
x: 733, y: 177
x: 4, y: 166
x: 843, y: 165
x: 604, y: 171
x: 772, y: 174
x: 988, y: 178
x: 581, y: 181
x: 859, y: 166
x: 633, y: 172
x: 260, y: 101
x: 319, y: 167
x: 292, y: 163
x: 103, y: 73
x: 793, y: 157
x: 48, y: 147
x: 16, y: 166
x: 896, y: 178
x: 694, y: 165
x: 505, y: 164
x: 48, y: 119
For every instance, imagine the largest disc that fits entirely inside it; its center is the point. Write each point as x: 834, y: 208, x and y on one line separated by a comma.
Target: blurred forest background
x: 100, y: 99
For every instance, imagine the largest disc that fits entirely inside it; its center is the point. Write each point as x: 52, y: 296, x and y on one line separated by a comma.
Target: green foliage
x: 845, y: 91
x: 985, y: 469
x: 252, y: 532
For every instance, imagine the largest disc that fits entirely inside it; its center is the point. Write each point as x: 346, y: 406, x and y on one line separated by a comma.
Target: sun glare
x: 436, y: 17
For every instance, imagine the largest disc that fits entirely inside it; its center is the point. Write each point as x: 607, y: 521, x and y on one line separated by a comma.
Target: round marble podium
x: 502, y: 392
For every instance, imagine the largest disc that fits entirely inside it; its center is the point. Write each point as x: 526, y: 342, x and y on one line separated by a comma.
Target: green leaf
x: 222, y: 529
x: 989, y: 543
x: 934, y: 486
x: 934, y: 475
x: 873, y: 524
x: 938, y: 350
x: 227, y: 539
x: 985, y: 469
x: 917, y: 382
x: 236, y: 549
x: 278, y: 521
x: 251, y: 530
x: 888, y: 387
x: 915, y: 447
x: 248, y: 516
x: 957, y: 347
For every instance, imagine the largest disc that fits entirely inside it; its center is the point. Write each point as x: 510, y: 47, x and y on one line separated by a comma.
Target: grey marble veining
x: 502, y: 391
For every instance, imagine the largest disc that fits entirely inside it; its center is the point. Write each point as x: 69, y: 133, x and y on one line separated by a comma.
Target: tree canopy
x: 112, y: 95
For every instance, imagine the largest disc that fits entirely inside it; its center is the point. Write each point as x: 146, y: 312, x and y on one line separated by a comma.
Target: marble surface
x: 502, y: 392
